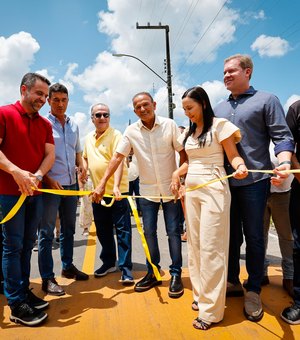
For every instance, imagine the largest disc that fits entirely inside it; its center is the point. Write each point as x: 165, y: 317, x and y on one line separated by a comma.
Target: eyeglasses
x: 100, y: 115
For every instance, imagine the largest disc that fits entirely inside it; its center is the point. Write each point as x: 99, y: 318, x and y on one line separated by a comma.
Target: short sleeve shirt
x: 98, y: 153
x: 23, y: 142
x: 212, y: 153
x: 67, y: 145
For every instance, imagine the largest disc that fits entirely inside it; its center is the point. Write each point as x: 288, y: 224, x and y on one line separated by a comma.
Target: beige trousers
x: 207, y: 219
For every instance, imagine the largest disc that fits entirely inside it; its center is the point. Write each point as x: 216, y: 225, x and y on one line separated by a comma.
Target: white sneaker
x: 253, y: 307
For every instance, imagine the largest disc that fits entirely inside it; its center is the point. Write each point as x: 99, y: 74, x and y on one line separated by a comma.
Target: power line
x: 203, y: 34
x: 164, y: 11
x: 185, y: 21
x: 252, y: 27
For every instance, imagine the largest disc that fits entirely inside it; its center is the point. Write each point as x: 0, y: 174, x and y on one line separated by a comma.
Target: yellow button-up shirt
x: 98, y: 153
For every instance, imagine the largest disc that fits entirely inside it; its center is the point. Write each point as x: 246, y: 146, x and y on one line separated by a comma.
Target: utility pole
x: 168, y: 60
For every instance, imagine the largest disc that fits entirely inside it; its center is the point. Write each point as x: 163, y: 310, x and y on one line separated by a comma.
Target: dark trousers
x: 106, y: 219
x: 247, y: 217
x: 295, y: 224
x: 134, y: 188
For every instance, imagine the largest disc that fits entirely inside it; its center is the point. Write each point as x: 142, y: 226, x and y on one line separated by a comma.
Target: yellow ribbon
x: 14, y: 209
x: 144, y: 242
x: 22, y: 198
x: 295, y: 171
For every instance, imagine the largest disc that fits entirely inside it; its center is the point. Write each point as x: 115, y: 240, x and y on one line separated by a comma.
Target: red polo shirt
x: 23, y: 142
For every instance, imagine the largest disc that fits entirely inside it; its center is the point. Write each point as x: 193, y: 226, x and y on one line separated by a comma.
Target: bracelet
x: 285, y: 162
x: 240, y: 165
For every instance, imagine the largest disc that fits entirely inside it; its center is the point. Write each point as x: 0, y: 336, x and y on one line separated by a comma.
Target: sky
x: 73, y: 42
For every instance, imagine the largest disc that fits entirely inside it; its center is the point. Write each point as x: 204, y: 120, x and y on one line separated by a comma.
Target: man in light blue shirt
x: 62, y: 176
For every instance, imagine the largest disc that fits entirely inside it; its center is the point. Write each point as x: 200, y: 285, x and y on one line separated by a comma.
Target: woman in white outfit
x: 207, y: 208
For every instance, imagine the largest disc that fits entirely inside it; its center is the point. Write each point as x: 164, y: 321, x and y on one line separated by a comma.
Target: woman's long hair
x: 198, y: 94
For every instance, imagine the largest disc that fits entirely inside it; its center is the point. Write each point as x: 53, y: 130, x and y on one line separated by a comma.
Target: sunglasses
x: 99, y: 115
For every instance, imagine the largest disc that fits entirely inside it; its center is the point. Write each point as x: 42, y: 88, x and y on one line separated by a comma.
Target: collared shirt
x: 155, y: 152
x: 67, y: 145
x: 293, y: 121
x: 98, y: 152
x: 23, y: 143
x: 260, y: 117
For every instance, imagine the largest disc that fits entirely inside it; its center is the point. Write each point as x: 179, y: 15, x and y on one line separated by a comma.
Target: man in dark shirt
x: 260, y: 118
x: 292, y: 314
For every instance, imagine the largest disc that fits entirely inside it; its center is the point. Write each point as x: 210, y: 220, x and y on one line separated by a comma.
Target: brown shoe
x: 288, y: 286
x: 51, y: 287
x: 253, y: 307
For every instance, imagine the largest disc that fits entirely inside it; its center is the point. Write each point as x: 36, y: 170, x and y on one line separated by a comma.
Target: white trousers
x: 207, y: 219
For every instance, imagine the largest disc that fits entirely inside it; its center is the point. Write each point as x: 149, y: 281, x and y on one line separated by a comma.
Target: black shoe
x: 176, y: 287
x: 147, y: 283
x: 104, y: 270
x: 234, y: 290
x: 25, y: 314
x: 36, y: 302
x: 74, y: 273
x: 291, y: 315
x: 51, y: 287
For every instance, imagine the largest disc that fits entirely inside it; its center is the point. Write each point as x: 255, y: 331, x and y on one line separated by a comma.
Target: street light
x: 168, y: 81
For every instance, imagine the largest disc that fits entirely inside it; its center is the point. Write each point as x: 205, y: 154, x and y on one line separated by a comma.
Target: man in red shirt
x: 26, y: 154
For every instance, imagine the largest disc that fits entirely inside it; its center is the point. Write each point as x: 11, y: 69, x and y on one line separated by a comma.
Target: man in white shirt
x: 154, y: 141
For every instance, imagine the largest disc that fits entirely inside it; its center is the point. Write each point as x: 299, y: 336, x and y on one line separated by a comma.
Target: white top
x: 155, y: 153
x: 133, y: 169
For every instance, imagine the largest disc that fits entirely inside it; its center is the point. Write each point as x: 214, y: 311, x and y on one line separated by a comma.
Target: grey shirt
x: 260, y: 118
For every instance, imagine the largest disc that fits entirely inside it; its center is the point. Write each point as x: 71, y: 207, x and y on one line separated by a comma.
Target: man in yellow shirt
x: 99, y: 148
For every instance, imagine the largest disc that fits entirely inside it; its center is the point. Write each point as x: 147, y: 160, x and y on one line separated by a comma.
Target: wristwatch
x: 39, y: 178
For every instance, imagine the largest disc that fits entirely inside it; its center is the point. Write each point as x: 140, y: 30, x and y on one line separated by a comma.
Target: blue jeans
x: 134, y: 188
x: 1, y: 247
x: 171, y: 217
x: 247, y: 216
x: 66, y: 206
x: 106, y: 218
x: 19, y: 236
x: 295, y: 224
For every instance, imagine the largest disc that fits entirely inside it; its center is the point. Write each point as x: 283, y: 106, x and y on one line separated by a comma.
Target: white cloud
x: 260, y: 15
x: 84, y: 123
x: 115, y: 80
x: 292, y: 99
x: 16, y: 55
x: 216, y: 91
x: 45, y: 73
x: 268, y: 46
